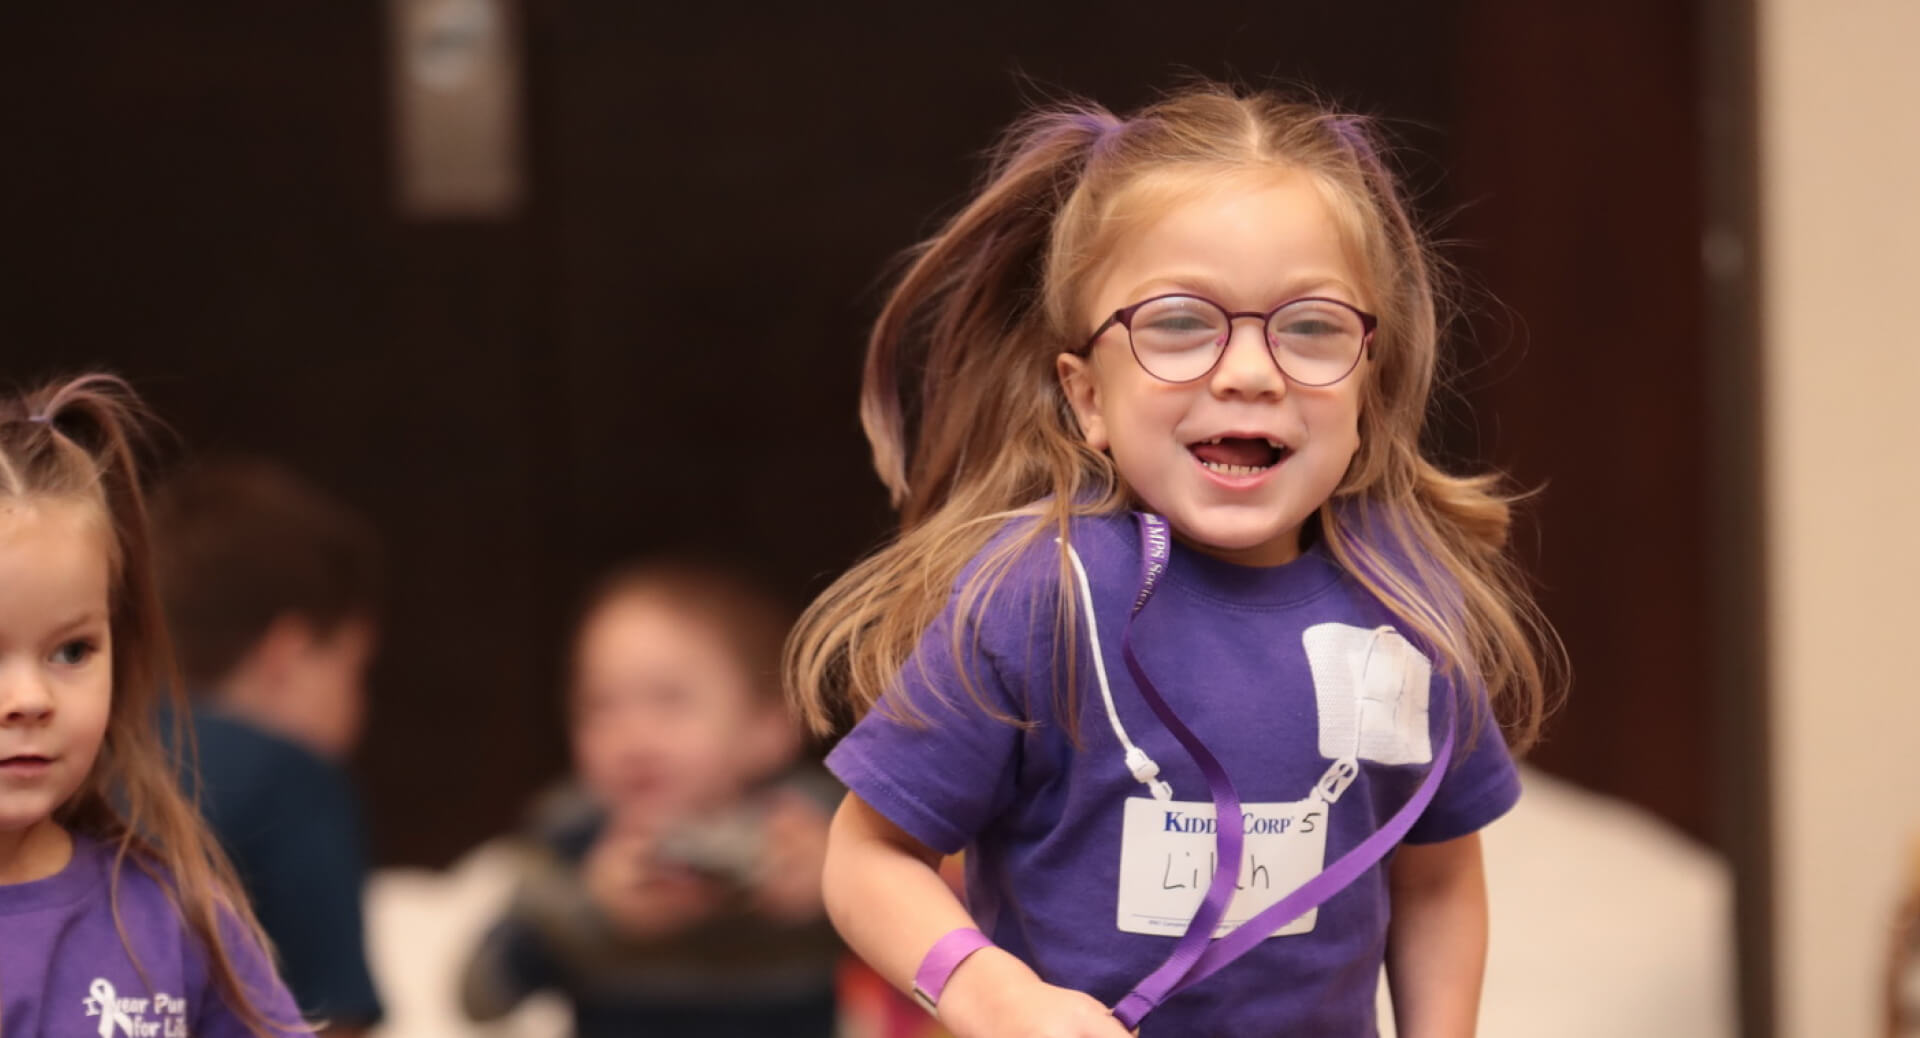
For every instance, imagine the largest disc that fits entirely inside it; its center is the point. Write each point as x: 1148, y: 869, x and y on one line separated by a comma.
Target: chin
x: 1246, y: 543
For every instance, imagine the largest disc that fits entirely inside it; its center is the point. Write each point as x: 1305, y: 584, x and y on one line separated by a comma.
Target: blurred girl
x: 121, y: 917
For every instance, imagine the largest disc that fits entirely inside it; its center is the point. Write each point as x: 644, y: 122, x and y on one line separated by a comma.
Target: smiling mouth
x: 1238, y: 455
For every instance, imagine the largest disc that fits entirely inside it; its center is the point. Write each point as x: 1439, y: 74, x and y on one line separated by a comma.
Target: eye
x: 1312, y: 320
x: 1314, y: 325
x: 75, y: 652
x: 1178, y: 322
x: 1175, y: 323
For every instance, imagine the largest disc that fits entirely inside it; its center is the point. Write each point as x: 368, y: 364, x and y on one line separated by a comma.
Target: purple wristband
x: 942, y: 959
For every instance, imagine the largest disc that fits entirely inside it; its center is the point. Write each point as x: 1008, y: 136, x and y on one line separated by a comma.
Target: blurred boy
x: 676, y: 890
x: 270, y: 589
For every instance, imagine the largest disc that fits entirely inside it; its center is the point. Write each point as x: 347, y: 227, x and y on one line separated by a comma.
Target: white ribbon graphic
x: 110, y: 1013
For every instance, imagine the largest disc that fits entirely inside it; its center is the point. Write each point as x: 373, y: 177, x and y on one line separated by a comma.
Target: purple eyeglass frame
x: 1124, y: 318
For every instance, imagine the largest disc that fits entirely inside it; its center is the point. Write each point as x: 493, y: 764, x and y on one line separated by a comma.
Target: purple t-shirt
x: 1279, y: 671
x: 64, y: 970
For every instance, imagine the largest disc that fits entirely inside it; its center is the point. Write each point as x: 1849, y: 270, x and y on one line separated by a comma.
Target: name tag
x: 1167, y: 855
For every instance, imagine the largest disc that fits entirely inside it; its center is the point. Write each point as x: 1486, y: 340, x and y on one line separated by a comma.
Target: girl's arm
x: 1437, y: 941
x: 885, y: 895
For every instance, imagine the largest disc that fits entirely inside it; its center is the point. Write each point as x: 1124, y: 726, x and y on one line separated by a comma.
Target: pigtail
x: 967, y: 425
x: 83, y: 440
x: 1520, y: 659
x: 1438, y: 559
x: 959, y: 323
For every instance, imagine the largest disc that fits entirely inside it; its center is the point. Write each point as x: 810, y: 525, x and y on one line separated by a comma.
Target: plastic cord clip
x: 1146, y: 772
x: 1337, y: 779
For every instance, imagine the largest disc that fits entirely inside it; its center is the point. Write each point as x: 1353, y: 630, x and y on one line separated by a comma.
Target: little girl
x: 1181, y: 629
x: 120, y: 917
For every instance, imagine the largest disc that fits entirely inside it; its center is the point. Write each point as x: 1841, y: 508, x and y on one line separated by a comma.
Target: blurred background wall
x: 1842, y: 222
x: 658, y: 346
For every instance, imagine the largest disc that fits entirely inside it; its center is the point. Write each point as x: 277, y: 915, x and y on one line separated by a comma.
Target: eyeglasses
x: 1179, y: 338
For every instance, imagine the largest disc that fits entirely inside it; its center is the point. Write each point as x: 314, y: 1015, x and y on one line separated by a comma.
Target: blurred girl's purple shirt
x: 64, y: 970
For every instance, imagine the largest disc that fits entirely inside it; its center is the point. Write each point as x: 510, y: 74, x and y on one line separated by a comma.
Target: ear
x: 270, y: 663
x: 287, y: 639
x: 1083, y: 396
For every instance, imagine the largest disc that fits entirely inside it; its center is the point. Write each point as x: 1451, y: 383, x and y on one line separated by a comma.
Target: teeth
x: 1235, y: 470
x: 1271, y: 442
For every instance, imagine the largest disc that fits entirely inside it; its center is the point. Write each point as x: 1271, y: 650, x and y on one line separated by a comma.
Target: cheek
x: 597, y: 759
x: 89, y: 715
x: 99, y: 695
x: 102, y: 713
x: 714, y: 728
x: 1332, y: 412
x: 1137, y: 408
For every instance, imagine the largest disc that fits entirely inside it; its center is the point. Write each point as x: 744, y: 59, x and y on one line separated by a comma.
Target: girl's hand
x: 787, y: 883
x: 639, y: 896
x: 994, y: 995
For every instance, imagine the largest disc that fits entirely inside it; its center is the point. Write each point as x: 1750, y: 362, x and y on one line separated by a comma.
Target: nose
x: 636, y: 739
x: 25, y: 699
x: 1246, y: 367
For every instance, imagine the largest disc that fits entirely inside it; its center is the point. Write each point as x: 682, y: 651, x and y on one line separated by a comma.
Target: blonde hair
x: 969, y: 425
x: 76, y: 442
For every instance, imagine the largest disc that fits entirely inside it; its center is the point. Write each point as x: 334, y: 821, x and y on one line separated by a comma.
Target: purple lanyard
x: 1197, y: 956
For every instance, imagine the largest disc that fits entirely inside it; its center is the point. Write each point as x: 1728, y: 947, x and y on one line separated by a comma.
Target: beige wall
x: 1840, y: 128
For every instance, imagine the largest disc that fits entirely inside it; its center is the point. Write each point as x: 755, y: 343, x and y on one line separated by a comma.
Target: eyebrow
x: 90, y: 618
x: 1213, y: 288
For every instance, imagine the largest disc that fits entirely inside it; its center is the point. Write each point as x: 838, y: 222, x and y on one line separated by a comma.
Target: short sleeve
x: 216, y: 1016
x: 1481, y: 783
x: 943, y: 781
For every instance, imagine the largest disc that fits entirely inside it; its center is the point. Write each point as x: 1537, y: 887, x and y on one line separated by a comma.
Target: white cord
x: 1341, y: 774
x: 1331, y: 785
x: 1141, y: 766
